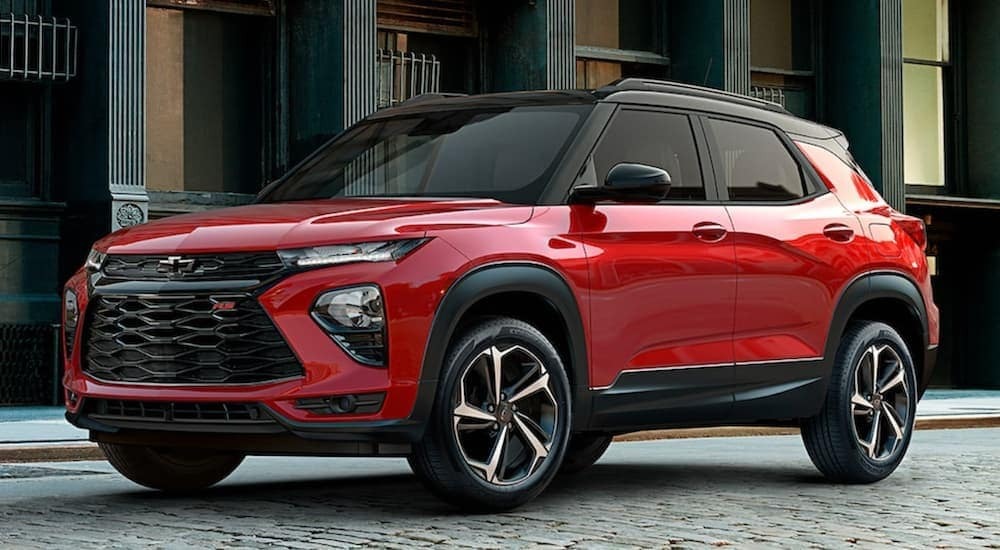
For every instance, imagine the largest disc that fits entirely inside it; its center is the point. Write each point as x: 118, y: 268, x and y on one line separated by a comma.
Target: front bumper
x: 269, y: 433
x: 411, y: 289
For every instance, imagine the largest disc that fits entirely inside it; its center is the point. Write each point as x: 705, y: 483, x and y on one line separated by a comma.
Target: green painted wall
x: 315, y: 80
x: 513, y: 43
x: 697, y: 49
x: 971, y: 304
x: 982, y: 58
x: 862, y: 70
x: 29, y: 259
x: 80, y: 144
x: 852, y: 56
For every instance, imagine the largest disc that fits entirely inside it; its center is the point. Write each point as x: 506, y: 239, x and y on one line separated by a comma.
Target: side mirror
x: 628, y: 182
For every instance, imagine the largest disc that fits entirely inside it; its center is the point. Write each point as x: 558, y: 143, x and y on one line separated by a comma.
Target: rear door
x: 796, y: 249
x: 663, y: 280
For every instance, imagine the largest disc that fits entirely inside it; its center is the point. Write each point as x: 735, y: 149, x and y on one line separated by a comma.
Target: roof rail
x: 429, y: 96
x: 650, y: 85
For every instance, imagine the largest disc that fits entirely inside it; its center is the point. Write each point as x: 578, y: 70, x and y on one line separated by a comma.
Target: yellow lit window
x: 925, y: 52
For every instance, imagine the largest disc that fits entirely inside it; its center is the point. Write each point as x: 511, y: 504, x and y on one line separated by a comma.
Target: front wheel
x: 501, y: 418
x: 176, y: 470
x: 863, y: 430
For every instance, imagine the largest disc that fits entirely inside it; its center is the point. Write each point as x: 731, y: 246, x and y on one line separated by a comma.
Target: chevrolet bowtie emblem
x: 175, y: 266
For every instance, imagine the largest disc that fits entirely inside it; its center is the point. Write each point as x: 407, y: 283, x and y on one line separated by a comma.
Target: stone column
x: 359, y: 59
x: 736, y: 46
x: 710, y: 43
x: 560, y: 43
x: 127, y: 112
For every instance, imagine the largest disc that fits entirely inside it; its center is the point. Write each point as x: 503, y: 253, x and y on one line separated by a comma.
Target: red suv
x: 494, y: 286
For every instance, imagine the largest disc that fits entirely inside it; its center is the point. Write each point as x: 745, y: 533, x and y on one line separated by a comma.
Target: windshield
x: 507, y: 154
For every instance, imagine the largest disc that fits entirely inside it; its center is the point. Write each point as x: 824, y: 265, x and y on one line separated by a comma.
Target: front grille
x: 206, y: 267
x: 168, y: 411
x: 183, y: 339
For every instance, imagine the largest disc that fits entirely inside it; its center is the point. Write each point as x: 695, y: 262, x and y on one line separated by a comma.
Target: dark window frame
x: 813, y: 186
x: 812, y: 76
x: 650, y: 62
x: 272, y: 146
x: 37, y: 133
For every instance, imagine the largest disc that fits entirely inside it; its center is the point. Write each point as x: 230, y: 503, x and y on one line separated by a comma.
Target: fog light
x: 365, y: 403
x: 355, y: 319
x: 356, y: 308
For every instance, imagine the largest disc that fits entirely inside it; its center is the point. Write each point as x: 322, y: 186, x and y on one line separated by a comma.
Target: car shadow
x: 403, y: 496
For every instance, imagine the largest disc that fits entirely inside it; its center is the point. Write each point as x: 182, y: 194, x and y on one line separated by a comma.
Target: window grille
x: 774, y: 95
x: 37, y: 48
x: 402, y: 75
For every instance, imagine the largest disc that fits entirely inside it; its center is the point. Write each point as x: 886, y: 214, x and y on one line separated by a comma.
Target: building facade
x: 115, y: 112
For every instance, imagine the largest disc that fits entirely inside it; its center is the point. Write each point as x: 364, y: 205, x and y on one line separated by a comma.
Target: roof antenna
x: 708, y: 71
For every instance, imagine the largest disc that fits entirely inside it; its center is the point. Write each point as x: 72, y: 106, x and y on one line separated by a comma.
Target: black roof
x: 631, y: 91
x: 639, y: 91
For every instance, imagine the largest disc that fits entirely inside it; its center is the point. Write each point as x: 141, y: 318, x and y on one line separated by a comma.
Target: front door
x: 663, y: 282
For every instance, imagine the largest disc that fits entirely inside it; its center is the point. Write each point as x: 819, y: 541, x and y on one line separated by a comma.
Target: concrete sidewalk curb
x: 955, y: 422
x: 84, y: 450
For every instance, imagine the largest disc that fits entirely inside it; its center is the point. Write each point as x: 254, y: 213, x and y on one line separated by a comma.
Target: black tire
x: 584, y: 450
x: 439, y: 458
x: 833, y: 438
x: 172, y: 470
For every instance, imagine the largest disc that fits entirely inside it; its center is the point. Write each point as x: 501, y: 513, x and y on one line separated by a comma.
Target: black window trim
x: 701, y: 149
x: 814, y: 185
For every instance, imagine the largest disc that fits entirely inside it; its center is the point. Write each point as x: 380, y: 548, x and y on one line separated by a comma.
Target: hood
x: 309, y: 223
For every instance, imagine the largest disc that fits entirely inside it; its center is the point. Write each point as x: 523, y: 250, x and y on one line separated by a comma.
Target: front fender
x: 488, y: 280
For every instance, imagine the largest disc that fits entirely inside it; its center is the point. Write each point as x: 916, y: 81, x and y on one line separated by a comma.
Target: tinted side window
x: 755, y: 164
x: 663, y: 140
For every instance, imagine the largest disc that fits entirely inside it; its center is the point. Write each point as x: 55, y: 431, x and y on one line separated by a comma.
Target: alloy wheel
x: 880, y: 404
x: 505, y: 414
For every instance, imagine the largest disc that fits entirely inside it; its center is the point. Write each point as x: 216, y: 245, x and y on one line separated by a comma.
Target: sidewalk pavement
x: 23, y: 428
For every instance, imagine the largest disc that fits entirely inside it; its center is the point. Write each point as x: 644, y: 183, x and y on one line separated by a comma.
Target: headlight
x: 355, y: 319
x: 383, y: 251
x: 95, y: 260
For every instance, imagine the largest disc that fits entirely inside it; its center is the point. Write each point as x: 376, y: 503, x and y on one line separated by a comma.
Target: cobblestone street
x: 682, y: 493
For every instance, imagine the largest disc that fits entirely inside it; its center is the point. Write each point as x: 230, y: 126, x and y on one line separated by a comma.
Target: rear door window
x: 754, y: 164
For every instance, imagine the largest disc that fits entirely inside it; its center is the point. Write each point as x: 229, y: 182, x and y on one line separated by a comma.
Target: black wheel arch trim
x: 497, y: 278
x: 879, y: 285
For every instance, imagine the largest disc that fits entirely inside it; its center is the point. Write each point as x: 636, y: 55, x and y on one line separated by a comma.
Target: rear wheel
x: 501, y: 419
x: 863, y: 430
x: 584, y: 450
x: 171, y: 469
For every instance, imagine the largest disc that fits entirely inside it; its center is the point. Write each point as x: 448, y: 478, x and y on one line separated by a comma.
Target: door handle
x: 710, y: 232
x: 838, y: 232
